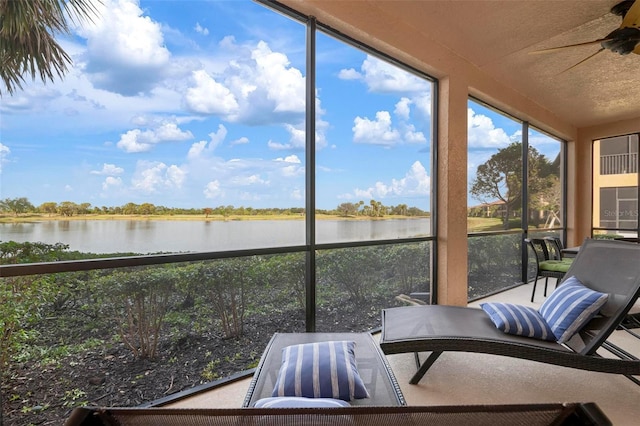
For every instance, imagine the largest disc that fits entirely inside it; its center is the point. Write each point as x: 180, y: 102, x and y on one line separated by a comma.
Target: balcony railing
x: 619, y: 164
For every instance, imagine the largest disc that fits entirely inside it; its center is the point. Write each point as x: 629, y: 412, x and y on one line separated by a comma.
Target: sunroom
x: 404, y: 101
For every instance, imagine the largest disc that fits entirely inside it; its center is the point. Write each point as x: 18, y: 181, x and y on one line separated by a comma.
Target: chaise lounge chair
x: 610, y: 267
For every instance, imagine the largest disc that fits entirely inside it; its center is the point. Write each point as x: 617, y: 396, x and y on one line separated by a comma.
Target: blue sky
x: 201, y: 103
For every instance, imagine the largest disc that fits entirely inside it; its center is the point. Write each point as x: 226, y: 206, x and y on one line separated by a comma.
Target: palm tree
x: 27, y: 38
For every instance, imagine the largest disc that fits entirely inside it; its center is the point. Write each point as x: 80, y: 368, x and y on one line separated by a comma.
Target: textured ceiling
x: 497, y: 36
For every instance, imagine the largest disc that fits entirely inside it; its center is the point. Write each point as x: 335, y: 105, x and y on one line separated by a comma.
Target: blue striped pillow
x: 569, y: 307
x: 320, y: 370
x: 519, y: 320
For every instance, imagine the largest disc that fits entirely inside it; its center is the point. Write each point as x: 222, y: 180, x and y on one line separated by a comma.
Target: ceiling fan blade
x: 555, y: 49
x: 632, y: 17
x: 582, y: 61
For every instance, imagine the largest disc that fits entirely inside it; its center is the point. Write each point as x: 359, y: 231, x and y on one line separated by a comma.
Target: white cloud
x: 297, y: 194
x: 240, y: 141
x: 292, y: 171
x: 108, y: 169
x: 381, y: 130
x: 296, y: 139
x: 137, y: 140
x: 213, y: 190
x: 201, y: 148
x: 207, y: 96
x: 175, y: 176
x: 125, y: 49
x: 4, y: 153
x: 290, y: 159
x: 216, y: 138
x: 111, y: 182
x: 382, y: 77
x: 349, y: 74
x: 292, y: 166
x: 375, y: 132
x: 411, y: 136
x: 256, y: 86
x: 248, y: 180
x: 201, y: 30
x: 196, y: 150
x: 422, y: 101
x: 482, y: 133
x: 415, y: 183
x: 403, y: 108
x: 153, y: 176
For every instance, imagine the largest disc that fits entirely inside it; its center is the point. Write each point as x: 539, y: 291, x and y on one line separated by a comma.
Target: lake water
x: 149, y: 236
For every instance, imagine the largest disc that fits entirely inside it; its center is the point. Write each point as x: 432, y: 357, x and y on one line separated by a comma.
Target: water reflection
x: 148, y: 236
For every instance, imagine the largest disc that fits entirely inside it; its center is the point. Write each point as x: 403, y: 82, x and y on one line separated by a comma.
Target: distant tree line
x: 376, y: 209
x: 21, y: 205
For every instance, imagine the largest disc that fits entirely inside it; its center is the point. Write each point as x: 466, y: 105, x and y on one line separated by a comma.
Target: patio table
x: 372, y: 365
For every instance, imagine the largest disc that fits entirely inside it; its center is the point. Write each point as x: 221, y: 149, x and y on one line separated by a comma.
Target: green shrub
x: 139, y: 300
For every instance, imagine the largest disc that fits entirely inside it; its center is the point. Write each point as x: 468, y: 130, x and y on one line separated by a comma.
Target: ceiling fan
x: 622, y: 40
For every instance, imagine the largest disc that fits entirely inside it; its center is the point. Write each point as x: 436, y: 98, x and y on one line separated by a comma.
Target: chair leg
x: 533, y: 293
x: 424, y: 367
x: 546, y: 281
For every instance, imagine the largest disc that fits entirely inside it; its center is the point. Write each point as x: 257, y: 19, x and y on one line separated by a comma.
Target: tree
x: 130, y: 208
x: 147, y: 208
x: 347, y: 209
x: 16, y: 205
x: 49, y: 207
x: 68, y: 208
x: 501, y: 177
x: 84, y: 208
x: 27, y: 38
x: 547, y: 199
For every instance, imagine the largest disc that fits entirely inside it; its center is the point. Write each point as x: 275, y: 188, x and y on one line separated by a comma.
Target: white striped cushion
x: 569, y: 307
x: 519, y: 320
x: 320, y: 370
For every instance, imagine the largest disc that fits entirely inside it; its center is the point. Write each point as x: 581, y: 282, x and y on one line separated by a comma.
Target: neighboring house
x: 615, y: 184
x: 493, y: 209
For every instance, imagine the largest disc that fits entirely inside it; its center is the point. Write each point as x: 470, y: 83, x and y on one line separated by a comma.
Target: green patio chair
x: 548, y: 260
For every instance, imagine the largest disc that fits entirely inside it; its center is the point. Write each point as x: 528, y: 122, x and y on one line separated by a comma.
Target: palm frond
x: 27, y: 38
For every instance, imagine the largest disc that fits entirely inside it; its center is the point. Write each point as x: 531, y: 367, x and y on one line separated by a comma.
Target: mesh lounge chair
x: 606, y: 266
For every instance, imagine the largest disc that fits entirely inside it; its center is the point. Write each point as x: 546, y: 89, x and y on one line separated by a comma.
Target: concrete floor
x: 465, y: 378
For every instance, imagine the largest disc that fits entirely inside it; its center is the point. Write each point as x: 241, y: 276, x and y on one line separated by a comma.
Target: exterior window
x: 495, y: 170
x: 505, y: 204
x: 373, y: 147
x: 373, y: 183
x: 544, y: 183
x: 203, y: 127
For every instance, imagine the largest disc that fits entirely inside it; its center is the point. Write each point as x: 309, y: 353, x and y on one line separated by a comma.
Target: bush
x: 139, y: 301
x: 226, y: 284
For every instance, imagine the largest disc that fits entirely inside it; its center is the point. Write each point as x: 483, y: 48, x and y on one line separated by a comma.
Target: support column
x: 452, y: 192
